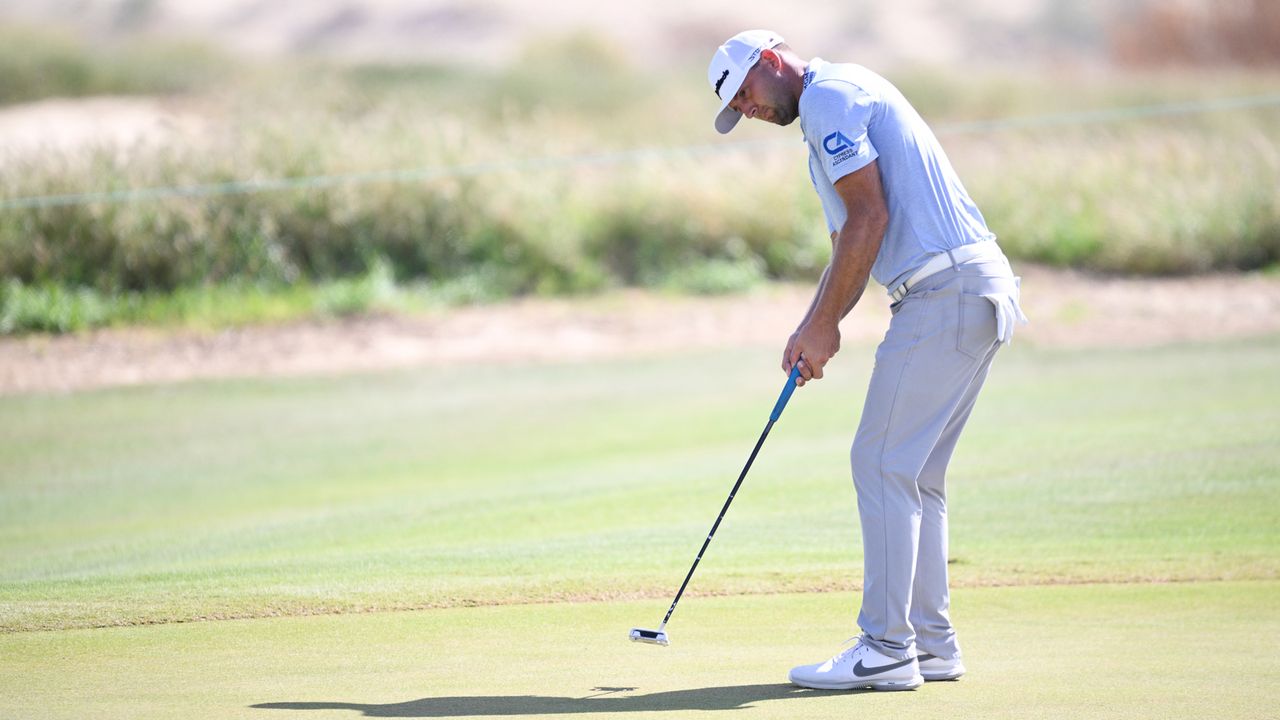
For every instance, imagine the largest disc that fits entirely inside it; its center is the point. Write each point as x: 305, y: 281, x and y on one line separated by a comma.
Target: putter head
x: 653, y: 637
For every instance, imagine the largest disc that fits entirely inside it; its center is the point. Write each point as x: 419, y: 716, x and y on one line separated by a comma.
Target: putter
x: 659, y: 636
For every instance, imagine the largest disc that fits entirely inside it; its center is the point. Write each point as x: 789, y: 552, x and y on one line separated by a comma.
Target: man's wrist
x: 823, y: 316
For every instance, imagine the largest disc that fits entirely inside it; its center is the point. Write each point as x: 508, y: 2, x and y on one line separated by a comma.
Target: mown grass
x: 729, y: 658
x: 493, y: 485
x: 528, y: 216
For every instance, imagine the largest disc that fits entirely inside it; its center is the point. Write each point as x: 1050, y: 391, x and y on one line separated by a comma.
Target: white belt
x: 984, y: 250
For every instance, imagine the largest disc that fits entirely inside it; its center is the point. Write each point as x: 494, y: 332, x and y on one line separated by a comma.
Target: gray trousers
x: 928, y: 371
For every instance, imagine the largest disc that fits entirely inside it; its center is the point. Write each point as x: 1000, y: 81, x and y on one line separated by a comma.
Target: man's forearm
x: 845, y: 279
x: 813, y: 304
x: 822, y: 283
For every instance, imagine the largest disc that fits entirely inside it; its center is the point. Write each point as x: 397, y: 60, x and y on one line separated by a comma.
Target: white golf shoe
x: 935, y: 668
x: 860, y: 667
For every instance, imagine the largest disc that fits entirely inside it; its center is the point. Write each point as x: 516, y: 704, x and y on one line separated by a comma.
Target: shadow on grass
x: 605, y: 700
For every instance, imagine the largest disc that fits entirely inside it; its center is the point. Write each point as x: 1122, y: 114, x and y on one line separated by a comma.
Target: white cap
x: 729, y: 67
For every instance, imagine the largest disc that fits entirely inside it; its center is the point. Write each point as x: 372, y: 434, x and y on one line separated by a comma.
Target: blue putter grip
x: 787, y: 389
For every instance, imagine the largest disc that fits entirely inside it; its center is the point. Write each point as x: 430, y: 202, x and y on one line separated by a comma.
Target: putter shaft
x: 787, y: 390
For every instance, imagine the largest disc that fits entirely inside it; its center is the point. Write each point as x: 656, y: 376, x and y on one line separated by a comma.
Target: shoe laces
x: 849, y: 650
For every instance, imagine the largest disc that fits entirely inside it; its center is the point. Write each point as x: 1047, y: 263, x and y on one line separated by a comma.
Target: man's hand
x: 817, y: 342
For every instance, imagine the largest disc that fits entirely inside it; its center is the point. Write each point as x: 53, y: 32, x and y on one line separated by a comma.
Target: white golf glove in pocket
x: 1008, y: 312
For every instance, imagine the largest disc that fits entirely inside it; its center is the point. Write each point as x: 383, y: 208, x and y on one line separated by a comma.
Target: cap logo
x: 721, y: 82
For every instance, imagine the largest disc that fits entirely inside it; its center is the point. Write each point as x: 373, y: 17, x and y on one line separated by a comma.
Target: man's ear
x: 772, y: 57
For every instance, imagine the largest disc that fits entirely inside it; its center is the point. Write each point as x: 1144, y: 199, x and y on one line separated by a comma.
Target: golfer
x: 898, y: 213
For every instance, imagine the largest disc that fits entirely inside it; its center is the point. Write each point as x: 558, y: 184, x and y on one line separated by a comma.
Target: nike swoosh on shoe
x: 863, y: 671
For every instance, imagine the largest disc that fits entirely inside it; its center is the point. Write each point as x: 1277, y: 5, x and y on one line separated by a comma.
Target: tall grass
x: 1154, y: 199
x: 554, y: 231
x: 1167, y: 196
x: 39, y: 62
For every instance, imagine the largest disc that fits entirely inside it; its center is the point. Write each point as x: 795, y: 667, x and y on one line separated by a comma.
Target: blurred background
x: 481, y: 311
x: 177, y: 162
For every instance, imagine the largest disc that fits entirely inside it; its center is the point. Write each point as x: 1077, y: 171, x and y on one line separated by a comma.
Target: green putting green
x: 571, y: 498
x: 1098, y: 651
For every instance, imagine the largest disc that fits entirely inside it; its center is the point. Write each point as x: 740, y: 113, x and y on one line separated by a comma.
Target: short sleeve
x: 836, y: 118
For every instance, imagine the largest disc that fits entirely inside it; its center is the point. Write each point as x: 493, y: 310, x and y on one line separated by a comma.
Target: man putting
x: 896, y: 211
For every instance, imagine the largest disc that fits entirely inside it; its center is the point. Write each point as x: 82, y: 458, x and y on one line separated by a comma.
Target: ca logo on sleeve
x: 837, y: 142
x: 842, y: 149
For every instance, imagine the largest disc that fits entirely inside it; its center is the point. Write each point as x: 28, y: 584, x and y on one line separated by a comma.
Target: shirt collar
x: 810, y: 70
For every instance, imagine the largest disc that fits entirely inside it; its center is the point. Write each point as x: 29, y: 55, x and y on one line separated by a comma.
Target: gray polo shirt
x: 851, y: 116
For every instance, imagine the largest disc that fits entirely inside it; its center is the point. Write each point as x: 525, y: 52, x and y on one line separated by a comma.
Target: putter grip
x: 787, y: 389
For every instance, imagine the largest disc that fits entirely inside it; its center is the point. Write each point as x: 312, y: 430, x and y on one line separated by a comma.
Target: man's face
x: 764, y: 95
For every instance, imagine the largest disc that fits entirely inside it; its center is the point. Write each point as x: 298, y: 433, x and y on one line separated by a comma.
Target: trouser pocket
x: 976, y: 331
